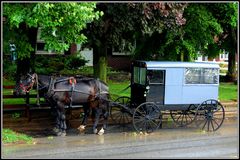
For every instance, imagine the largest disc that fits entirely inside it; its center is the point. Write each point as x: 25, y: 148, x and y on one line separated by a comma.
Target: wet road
x: 167, y: 142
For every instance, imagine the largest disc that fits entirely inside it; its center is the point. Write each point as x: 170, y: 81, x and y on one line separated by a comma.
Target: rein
x: 26, y: 88
x: 36, y: 78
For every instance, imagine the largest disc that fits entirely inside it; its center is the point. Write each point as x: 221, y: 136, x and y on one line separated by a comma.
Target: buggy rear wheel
x: 184, y: 117
x: 147, y: 117
x: 210, y: 115
x: 120, y: 115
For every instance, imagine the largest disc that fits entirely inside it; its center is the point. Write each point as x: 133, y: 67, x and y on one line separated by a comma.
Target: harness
x: 26, y: 88
x: 72, y: 81
x: 51, y: 89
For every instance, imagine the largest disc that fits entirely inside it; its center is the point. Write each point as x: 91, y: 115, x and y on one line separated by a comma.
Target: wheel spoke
x: 182, y: 119
x: 146, y: 117
x: 190, y: 117
x: 118, y: 113
x: 208, y: 125
x: 212, y: 113
x: 204, y: 124
x: 215, y: 122
x: 212, y: 125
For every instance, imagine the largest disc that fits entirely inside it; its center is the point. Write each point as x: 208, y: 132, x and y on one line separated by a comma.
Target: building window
x: 40, y: 45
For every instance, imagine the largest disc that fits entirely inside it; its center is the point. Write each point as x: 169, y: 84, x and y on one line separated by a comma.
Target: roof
x: 174, y: 64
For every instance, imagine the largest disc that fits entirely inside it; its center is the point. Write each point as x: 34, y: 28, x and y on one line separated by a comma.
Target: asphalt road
x: 167, y: 142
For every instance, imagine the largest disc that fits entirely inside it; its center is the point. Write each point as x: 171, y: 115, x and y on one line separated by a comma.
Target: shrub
x: 75, y: 61
x: 59, y: 64
x: 9, y: 69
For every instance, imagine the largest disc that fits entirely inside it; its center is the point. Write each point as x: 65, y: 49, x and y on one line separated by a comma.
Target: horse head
x: 27, y: 82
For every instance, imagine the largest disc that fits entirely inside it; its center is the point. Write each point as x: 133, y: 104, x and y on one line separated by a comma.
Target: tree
x: 123, y: 23
x: 227, y: 16
x: 60, y: 25
x: 194, y: 36
x: 204, y: 22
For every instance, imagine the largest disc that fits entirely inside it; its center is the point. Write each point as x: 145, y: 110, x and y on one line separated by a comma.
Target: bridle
x: 27, y: 88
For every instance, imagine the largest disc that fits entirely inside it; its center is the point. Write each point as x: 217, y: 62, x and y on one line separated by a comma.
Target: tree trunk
x: 182, y: 57
x: 231, y: 74
x: 24, y: 65
x: 100, y: 62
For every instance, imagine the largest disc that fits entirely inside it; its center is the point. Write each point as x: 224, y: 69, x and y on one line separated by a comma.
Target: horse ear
x: 30, y: 71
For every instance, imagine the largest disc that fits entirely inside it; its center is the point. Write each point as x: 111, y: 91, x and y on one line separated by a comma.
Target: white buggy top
x: 188, y: 82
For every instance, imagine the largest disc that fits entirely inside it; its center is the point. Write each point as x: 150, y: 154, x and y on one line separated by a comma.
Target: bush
x: 58, y: 64
x: 75, y: 61
x: 9, y: 69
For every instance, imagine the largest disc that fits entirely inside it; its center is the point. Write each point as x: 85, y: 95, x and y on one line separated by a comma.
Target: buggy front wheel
x: 147, y: 117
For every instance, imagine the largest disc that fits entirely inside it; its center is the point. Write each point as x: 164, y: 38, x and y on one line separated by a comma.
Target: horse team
x: 59, y: 92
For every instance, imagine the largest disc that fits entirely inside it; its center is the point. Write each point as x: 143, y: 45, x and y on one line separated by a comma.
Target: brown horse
x: 93, y: 94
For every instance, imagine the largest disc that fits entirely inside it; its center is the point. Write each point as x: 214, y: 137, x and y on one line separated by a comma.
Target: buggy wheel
x: 119, y: 114
x: 210, y: 115
x: 184, y: 117
x: 147, y: 117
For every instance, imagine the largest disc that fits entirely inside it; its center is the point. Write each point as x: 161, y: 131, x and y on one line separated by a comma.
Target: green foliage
x: 59, y: 64
x: 60, y: 23
x: 196, y: 34
x: 227, y: 16
x: 9, y: 68
x: 9, y: 136
x: 48, y: 65
x: 75, y: 61
x: 16, y: 115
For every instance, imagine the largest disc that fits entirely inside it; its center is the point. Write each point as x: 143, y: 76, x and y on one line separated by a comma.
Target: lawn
x: 228, y: 92
x: 9, y: 136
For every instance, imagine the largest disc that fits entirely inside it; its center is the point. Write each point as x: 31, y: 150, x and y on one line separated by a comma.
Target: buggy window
x: 139, y: 75
x: 156, y: 76
x: 201, y: 76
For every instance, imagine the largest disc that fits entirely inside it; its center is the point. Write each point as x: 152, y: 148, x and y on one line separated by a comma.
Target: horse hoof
x: 63, y: 134
x: 101, y: 132
x: 81, y: 128
x: 55, y: 130
x: 58, y: 133
x: 95, y: 131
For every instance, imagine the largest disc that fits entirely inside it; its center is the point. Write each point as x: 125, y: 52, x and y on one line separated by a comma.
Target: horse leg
x: 105, y: 116
x: 62, y: 117
x: 83, y: 125
x: 97, y: 116
x: 56, y: 129
x: 105, y: 112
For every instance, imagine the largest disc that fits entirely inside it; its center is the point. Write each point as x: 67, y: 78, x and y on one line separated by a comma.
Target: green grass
x: 7, y: 82
x: 20, y: 100
x: 228, y: 92
x: 116, y: 89
x: 9, y: 136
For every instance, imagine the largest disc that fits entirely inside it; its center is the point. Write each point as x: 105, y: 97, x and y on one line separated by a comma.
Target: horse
x: 92, y: 93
